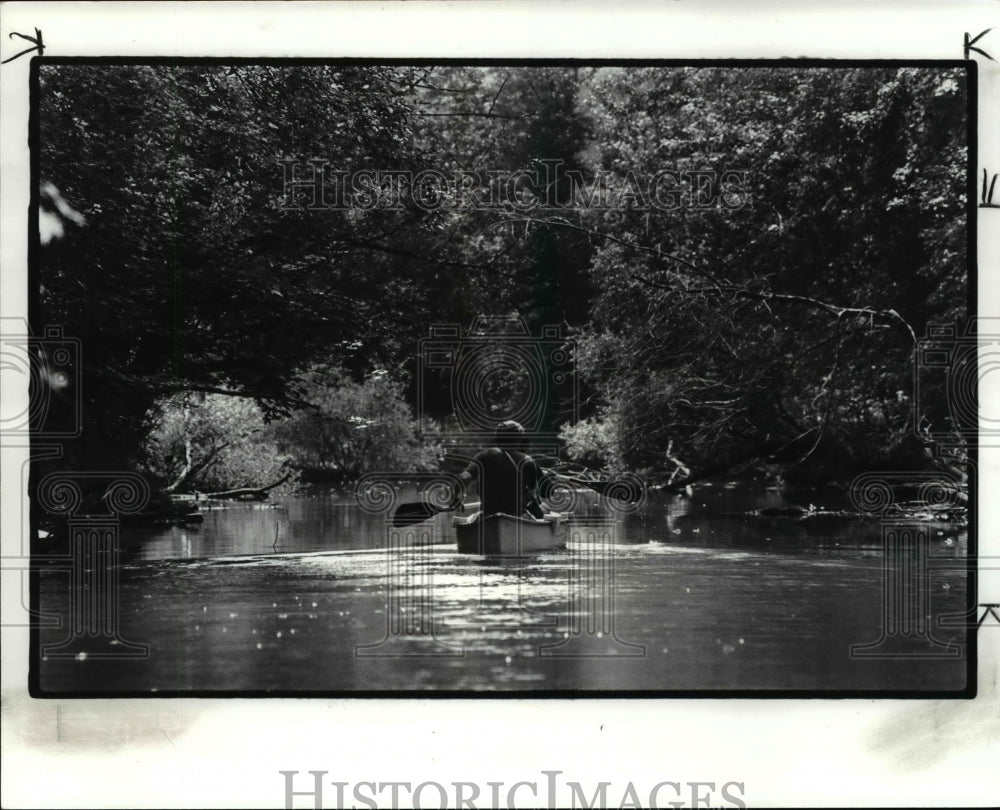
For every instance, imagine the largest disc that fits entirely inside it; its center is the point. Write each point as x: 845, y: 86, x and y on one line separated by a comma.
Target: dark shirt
x: 508, y: 481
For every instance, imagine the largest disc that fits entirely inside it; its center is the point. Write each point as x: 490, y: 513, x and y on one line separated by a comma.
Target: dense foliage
x: 212, y: 442
x: 205, y: 442
x: 766, y: 320
x: 780, y: 329
x: 352, y: 428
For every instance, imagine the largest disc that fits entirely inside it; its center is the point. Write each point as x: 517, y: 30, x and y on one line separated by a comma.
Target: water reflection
x: 691, y: 594
x: 715, y: 517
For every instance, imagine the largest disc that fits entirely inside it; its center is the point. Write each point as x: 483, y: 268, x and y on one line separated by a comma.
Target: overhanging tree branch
x: 736, y: 291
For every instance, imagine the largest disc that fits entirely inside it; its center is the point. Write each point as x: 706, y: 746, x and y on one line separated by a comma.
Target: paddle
x: 407, y: 514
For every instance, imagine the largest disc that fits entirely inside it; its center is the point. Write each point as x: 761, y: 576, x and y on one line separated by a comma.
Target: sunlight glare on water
x: 688, y: 595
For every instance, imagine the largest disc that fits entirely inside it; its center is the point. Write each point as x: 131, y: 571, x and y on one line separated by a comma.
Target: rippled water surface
x: 689, y: 594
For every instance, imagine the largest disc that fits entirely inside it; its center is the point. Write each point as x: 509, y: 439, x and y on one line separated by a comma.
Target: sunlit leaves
x: 857, y: 183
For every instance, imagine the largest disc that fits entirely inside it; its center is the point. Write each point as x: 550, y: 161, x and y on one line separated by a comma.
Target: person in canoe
x: 508, y: 477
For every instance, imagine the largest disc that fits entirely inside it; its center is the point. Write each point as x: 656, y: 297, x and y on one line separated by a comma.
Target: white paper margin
x: 227, y: 753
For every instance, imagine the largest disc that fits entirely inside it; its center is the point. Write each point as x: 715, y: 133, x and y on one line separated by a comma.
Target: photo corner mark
x: 37, y: 45
x: 969, y: 44
x: 989, y: 184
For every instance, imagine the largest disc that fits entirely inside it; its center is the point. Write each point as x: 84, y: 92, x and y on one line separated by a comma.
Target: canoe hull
x: 509, y: 536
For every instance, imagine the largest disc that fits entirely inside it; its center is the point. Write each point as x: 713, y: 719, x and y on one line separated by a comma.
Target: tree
x: 190, y: 274
x: 513, y: 136
x: 351, y: 428
x: 781, y: 330
x: 769, y: 320
x: 213, y: 442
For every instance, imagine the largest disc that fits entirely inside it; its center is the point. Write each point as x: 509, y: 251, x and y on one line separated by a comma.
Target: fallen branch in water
x: 247, y: 493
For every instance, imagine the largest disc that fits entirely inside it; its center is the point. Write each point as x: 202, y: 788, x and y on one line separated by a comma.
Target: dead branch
x: 802, y: 300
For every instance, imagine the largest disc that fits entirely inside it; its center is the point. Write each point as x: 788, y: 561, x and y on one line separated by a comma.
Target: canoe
x: 510, y: 536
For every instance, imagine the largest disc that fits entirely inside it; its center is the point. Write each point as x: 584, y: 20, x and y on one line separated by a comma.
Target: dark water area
x: 687, y: 594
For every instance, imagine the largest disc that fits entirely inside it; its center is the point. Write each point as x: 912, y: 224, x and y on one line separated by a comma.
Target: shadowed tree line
x: 767, y: 322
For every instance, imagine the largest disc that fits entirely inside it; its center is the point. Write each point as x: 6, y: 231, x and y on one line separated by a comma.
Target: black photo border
x: 972, y: 561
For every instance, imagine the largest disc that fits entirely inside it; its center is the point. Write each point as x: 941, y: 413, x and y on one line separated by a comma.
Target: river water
x: 687, y: 595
